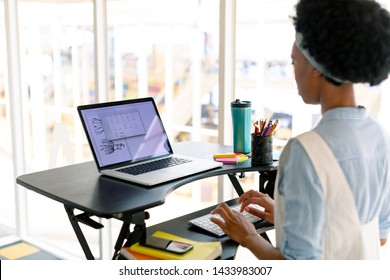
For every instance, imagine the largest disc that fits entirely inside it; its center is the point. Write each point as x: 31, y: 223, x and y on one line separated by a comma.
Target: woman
x: 332, y: 196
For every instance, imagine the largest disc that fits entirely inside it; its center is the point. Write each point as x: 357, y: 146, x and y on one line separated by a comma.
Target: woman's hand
x: 234, y: 224
x: 256, y: 197
x: 238, y: 228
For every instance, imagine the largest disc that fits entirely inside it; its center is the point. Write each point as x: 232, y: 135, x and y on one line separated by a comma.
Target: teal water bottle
x: 241, y: 118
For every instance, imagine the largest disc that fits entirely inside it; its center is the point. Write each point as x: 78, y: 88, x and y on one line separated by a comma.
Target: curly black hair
x: 350, y: 38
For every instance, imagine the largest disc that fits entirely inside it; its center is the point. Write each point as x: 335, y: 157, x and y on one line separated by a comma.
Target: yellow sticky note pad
x: 225, y: 155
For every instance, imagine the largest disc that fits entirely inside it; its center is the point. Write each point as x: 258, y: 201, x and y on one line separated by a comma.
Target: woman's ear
x: 316, y: 73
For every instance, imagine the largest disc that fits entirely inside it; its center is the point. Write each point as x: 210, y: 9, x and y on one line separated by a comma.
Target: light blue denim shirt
x: 362, y: 148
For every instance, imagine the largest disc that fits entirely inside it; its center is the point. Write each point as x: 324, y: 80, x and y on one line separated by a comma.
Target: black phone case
x: 156, y: 242
x: 161, y: 244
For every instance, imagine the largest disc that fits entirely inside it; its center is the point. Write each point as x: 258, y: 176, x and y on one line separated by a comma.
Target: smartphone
x: 167, y: 245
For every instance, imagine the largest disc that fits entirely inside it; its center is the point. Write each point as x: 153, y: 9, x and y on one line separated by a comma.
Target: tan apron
x: 344, y: 237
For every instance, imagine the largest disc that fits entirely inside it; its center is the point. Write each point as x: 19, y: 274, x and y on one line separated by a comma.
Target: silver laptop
x: 128, y: 141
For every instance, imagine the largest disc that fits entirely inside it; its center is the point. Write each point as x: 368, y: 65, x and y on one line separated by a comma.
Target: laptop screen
x: 124, y: 131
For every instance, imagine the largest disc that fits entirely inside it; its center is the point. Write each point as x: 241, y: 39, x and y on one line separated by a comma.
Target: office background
x: 193, y: 56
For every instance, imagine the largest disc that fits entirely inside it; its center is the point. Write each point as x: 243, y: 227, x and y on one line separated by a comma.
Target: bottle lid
x: 241, y: 104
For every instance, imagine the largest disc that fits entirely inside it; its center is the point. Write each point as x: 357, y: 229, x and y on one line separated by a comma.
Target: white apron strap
x: 344, y: 237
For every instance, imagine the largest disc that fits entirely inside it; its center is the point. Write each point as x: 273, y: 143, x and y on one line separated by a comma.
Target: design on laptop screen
x: 124, y: 133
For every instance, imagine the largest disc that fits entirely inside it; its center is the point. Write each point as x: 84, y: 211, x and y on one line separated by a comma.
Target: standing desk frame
x: 80, y: 187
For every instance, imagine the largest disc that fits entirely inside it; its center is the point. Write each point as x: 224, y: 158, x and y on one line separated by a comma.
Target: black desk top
x: 81, y: 186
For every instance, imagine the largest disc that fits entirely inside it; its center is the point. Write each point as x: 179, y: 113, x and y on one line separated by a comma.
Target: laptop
x: 128, y: 141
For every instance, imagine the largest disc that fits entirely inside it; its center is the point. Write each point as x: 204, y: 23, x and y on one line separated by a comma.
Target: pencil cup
x: 261, y: 149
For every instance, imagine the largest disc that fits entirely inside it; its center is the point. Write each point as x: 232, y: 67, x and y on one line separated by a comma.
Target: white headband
x: 311, y: 59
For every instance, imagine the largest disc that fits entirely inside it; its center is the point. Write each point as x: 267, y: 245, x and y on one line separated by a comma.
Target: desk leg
x: 236, y: 184
x: 80, y: 236
x: 138, y: 234
x: 267, y: 185
x: 123, y: 234
x: 265, y: 236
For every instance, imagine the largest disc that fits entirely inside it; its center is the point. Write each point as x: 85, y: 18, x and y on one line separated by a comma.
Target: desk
x: 81, y: 187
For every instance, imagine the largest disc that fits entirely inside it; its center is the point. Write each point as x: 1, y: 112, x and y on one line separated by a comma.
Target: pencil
x: 257, y: 128
x: 274, y: 127
x: 262, y: 126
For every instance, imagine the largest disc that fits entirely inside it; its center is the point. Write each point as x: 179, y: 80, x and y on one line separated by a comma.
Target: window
x: 169, y: 50
x: 57, y: 73
x: 7, y: 198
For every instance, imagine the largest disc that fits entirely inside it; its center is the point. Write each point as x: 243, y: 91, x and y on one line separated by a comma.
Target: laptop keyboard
x: 153, y: 165
x: 204, y: 222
